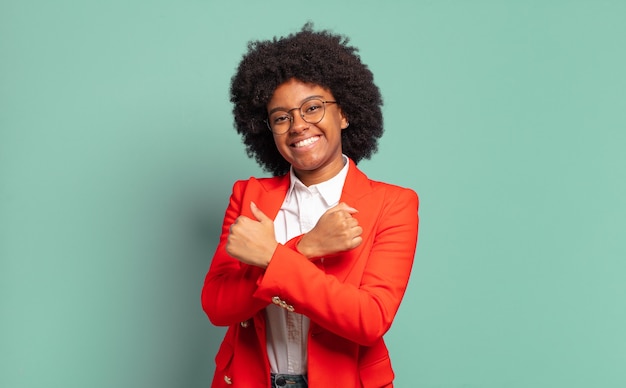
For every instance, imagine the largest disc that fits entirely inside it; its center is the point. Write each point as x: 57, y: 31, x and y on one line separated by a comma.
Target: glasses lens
x: 279, y: 122
x: 313, y: 111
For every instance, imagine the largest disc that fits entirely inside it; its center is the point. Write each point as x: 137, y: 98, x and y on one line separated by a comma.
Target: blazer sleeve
x: 362, y: 310
x: 227, y: 295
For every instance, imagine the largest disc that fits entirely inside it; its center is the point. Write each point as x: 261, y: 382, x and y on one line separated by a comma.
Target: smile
x: 306, y: 142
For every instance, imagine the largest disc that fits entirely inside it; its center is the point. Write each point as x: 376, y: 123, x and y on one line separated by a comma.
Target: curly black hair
x: 317, y: 57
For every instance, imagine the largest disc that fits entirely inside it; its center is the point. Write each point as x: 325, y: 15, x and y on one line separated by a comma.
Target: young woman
x: 313, y: 262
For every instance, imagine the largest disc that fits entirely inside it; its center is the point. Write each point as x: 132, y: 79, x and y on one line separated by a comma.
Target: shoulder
x: 255, y: 183
x: 392, y: 192
x: 388, y: 190
x: 358, y: 180
x: 391, y: 188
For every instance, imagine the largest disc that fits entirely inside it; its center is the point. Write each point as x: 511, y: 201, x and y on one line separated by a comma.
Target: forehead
x: 293, y: 92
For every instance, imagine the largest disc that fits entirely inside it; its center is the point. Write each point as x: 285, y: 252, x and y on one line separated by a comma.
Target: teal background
x: 117, y: 156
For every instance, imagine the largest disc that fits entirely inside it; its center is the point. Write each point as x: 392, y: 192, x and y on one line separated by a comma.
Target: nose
x: 298, y: 124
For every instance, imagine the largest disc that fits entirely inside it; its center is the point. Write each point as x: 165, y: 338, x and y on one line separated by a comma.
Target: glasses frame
x: 291, y: 117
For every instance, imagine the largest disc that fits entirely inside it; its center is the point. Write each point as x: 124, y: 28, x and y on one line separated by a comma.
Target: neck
x: 313, y: 177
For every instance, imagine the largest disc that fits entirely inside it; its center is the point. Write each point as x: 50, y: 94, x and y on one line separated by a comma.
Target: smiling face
x: 313, y: 150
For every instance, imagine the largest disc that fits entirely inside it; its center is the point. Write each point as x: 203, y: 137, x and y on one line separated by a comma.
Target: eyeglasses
x: 312, y: 111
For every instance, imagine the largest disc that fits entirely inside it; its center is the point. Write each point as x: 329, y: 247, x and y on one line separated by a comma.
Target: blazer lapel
x: 356, y: 187
x: 356, y: 192
x: 268, y: 196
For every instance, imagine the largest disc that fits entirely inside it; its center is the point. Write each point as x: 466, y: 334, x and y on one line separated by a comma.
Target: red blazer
x: 350, y: 297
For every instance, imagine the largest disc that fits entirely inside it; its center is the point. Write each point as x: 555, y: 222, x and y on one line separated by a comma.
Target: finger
x: 258, y: 214
x: 233, y: 225
x: 240, y: 219
x: 342, y: 206
x: 356, y: 241
x: 350, y: 222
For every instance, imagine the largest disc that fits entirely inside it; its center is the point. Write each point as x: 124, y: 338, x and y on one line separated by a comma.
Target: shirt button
x: 245, y: 324
x: 228, y: 380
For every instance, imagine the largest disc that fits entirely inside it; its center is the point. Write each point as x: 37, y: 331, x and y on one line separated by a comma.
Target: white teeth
x: 306, y: 142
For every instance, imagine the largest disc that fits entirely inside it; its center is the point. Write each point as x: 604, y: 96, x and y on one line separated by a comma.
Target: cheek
x: 280, y: 146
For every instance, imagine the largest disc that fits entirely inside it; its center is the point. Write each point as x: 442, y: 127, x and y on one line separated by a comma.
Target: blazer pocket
x: 377, y: 374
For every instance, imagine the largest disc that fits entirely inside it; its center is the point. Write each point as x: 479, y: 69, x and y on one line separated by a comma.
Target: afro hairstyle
x: 316, y: 57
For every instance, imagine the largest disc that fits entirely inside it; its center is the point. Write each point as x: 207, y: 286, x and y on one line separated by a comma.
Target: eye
x: 312, y: 107
x: 280, y: 117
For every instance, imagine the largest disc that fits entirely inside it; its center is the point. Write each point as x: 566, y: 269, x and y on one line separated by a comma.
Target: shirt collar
x: 330, y: 190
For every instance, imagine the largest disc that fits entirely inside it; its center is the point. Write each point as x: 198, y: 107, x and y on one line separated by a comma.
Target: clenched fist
x: 252, y: 241
x: 336, y: 231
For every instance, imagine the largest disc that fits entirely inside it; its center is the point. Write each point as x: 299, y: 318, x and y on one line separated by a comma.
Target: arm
x: 227, y: 295
x: 361, y: 309
x: 248, y: 244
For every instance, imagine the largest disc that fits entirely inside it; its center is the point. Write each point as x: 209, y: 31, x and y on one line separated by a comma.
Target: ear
x: 344, y: 121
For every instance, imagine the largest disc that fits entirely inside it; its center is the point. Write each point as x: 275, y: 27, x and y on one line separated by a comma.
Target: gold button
x: 228, y: 380
x: 245, y: 324
x: 276, y: 300
x: 290, y: 308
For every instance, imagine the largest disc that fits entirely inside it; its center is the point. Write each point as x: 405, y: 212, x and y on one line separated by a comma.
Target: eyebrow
x: 283, y: 109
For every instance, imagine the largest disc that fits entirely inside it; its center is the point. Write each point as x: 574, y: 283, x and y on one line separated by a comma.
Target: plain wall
x: 118, y: 154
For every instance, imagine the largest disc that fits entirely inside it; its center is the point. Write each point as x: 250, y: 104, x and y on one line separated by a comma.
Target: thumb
x: 258, y: 214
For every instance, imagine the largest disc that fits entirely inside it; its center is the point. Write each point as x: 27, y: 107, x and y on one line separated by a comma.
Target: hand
x: 252, y: 241
x: 336, y: 231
